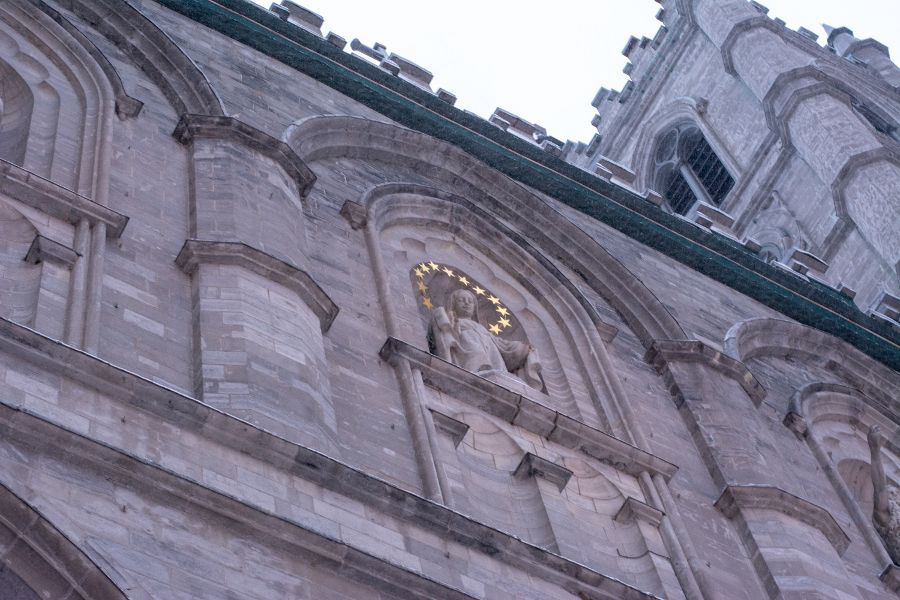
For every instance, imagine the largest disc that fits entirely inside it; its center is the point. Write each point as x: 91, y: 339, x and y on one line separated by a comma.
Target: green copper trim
x: 715, y: 256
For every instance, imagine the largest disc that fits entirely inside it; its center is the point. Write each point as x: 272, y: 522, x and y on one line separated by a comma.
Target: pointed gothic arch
x: 38, y: 561
x: 335, y: 136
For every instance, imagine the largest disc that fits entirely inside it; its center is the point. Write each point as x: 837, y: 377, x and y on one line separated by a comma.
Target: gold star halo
x: 505, y: 320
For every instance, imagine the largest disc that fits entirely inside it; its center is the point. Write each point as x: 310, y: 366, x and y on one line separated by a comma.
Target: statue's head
x: 462, y: 304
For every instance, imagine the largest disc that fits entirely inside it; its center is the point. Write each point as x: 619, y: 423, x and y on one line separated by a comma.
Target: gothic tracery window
x: 688, y: 170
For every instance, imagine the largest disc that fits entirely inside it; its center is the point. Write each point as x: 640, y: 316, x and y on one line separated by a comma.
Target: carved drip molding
x: 57, y: 201
x: 198, y: 127
x: 127, y: 107
x: 736, y: 498
x: 533, y: 465
x: 171, y: 406
x: 45, y: 249
x: 634, y: 510
x: 197, y: 252
x: 526, y: 413
x: 663, y: 352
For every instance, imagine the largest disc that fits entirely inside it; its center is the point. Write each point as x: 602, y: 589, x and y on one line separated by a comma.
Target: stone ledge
x: 57, y: 201
x: 197, y: 252
x: 179, y: 410
x: 523, y: 412
x: 533, y: 465
x: 693, y: 351
x: 197, y: 127
x: 735, y: 498
x: 455, y: 429
x: 155, y: 480
x: 635, y: 510
x: 45, y: 249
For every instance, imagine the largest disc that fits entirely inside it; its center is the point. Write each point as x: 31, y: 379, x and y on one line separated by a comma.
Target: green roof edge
x: 728, y: 262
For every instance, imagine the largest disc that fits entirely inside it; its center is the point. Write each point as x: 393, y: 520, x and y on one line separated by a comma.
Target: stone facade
x: 228, y: 246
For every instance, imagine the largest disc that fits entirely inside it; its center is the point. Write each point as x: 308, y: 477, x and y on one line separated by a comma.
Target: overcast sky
x: 543, y: 61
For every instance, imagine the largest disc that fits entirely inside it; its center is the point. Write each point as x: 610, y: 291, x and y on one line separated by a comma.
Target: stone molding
x: 737, y: 31
x: 45, y: 249
x: 154, y: 52
x: 57, y: 201
x: 454, y: 428
x: 766, y: 336
x: 197, y: 252
x: 735, y: 498
x: 197, y: 127
x: 528, y: 414
x: 180, y: 410
x: 127, y: 107
x: 533, y: 465
x: 663, y: 352
x: 341, y: 558
x: 355, y: 214
x: 37, y: 551
x: 634, y: 510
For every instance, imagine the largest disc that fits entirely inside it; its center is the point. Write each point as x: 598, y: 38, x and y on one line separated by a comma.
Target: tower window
x: 688, y: 170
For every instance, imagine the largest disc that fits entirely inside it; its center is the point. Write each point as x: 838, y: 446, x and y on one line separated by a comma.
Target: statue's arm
x: 444, y: 339
x: 879, y: 481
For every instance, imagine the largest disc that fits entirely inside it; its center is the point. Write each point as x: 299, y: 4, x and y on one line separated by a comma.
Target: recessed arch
x: 765, y: 336
x: 181, y: 81
x: 36, y: 556
x: 332, y: 136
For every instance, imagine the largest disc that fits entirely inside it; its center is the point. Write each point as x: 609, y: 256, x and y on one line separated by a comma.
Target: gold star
x: 463, y: 280
x: 503, y: 311
x: 434, y: 266
x: 419, y: 273
x: 495, y: 329
x: 494, y: 300
x: 504, y: 322
x: 422, y: 287
x: 448, y: 272
x: 427, y: 303
x: 478, y: 290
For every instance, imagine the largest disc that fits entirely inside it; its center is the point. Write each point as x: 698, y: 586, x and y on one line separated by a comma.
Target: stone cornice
x: 526, y: 413
x: 735, y: 498
x: 45, y: 249
x: 663, y: 352
x: 57, y: 201
x: 196, y: 127
x: 708, y: 253
x: 180, y: 410
x: 197, y: 252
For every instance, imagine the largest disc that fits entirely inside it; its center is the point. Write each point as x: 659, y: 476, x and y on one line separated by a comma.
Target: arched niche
x: 411, y: 224
x: 37, y: 561
x: 16, y: 106
x: 332, y: 137
x: 20, y: 281
x: 765, y: 338
x: 834, y: 421
x: 65, y: 134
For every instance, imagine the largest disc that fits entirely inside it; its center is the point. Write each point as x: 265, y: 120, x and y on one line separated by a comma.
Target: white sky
x: 545, y: 64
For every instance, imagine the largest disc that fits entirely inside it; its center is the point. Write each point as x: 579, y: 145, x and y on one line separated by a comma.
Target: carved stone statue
x: 459, y: 338
x: 886, y: 513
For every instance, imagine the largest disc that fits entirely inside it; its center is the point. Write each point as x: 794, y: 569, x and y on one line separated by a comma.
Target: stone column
x: 259, y: 318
